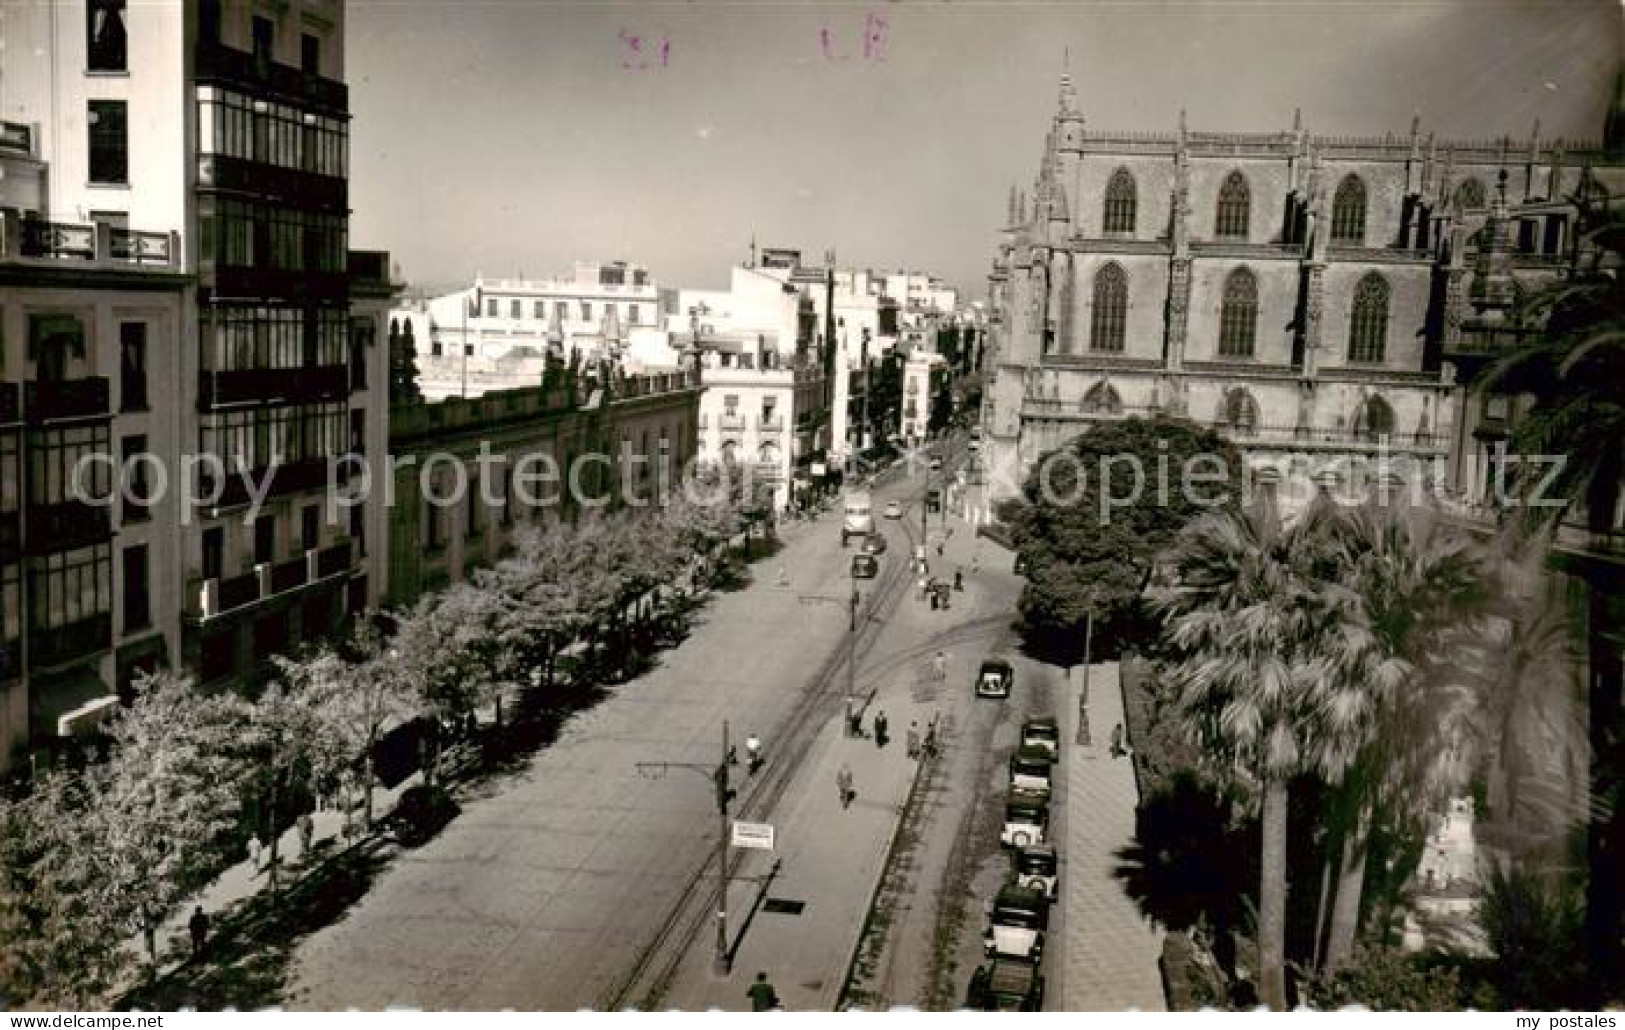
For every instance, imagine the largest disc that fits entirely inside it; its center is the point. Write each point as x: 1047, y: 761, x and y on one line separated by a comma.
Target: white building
x: 922, y: 376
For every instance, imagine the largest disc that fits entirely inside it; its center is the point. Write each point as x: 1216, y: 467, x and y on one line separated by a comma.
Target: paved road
x: 541, y: 893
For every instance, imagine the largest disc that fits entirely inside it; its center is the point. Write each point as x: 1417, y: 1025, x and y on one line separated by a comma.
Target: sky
x: 509, y: 138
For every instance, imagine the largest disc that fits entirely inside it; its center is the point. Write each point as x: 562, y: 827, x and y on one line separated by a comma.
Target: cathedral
x: 1314, y: 298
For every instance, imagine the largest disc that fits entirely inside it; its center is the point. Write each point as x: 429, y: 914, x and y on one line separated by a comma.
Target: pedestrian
x: 307, y: 833
x: 880, y: 728
x: 959, y: 579
x: 254, y: 850
x: 913, y: 739
x: 843, y: 783
x: 940, y: 663
x: 931, y: 738
x: 784, y: 576
x: 763, y: 998
x: 199, y: 925
x: 939, y: 548
x: 1119, y: 749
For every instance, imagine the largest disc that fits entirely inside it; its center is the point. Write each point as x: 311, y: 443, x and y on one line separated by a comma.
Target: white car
x: 894, y: 510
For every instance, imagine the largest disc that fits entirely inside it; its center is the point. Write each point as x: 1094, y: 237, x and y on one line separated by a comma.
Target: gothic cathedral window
x: 1120, y: 203
x: 1110, y: 314
x: 1348, y: 211
x: 1238, y: 315
x: 1234, y: 207
x: 1368, y: 321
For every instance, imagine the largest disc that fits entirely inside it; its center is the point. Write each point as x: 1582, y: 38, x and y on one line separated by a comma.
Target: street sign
x: 753, y: 835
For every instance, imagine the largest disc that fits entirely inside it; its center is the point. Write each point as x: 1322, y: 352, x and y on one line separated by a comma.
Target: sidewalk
x: 1111, y: 950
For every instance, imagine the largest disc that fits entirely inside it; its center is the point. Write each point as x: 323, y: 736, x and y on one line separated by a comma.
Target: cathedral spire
x: 1068, y: 98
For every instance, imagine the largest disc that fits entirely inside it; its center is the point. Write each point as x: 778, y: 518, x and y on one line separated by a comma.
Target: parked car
x: 1006, y: 985
x: 995, y: 678
x: 864, y: 566
x: 1030, y: 770
x: 874, y: 543
x: 1026, y: 819
x: 1017, y: 920
x: 1043, y: 732
x: 1037, y: 867
x: 936, y: 464
x: 894, y: 510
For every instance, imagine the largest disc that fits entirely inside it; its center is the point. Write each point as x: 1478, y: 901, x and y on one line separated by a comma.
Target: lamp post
x: 1083, y: 692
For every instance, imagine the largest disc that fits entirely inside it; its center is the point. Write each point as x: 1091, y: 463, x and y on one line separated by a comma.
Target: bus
x: 858, y: 519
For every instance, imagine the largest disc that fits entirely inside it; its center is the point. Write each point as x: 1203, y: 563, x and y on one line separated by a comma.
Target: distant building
x: 923, y: 376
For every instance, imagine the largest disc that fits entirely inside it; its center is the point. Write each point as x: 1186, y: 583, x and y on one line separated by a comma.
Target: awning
x: 70, y: 702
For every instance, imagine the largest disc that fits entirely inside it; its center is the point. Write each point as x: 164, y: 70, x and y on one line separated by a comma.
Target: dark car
x: 864, y: 566
x: 1017, y: 921
x: 1043, y: 732
x: 1006, y: 985
x: 874, y: 543
x: 995, y: 678
x: 421, y: 813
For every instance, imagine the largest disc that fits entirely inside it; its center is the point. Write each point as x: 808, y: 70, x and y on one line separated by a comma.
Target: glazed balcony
x: 208, y: 599
x: 273, y: 385
x: 89, y: 636
x: 47, y: 401
x: 218, y: 63
x: 309, y: 191
x: 66, y: 525
x: 11, y: 411
x: 240, y: 488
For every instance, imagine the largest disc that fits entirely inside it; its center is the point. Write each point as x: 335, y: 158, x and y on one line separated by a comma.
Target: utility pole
x: 1083, y: 693
x: 723, y: 964
x: 852, y: 660
x: 863, y: 431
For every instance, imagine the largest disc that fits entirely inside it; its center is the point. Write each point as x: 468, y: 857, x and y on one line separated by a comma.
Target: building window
x: 310, y: 527
x: 1348, y: 211
x: 105, y: 43
x: 362, y: 335
x: 264, y: 44
x: 70, y: 465
x: 514, y: 309
x: 1102, y: 399
x: 208, y: 21
x: 109, y: 143
x: 358, y: 529
x: 631, y: 314
x: 561, y: 310
x: 1376, y: 421
x: 730, y: 402
x: 310, y: 54
x: 70, y: 587
x: 586, y: 311
x: 1469, y: 196
x: 264, y: 539
x: 1110, y: 315
x: 358, y: 431
x: 538, y: 309
x: 132, y: 366
x: 1368, y: 321
x: 214, y: 553
x: 1121, y: 199
x: 134, y: 462
x: 1241, y: 410
x: 1235, y: 206
x: 491, y: 308
x: 137, y: 610
x: 1238, y: 316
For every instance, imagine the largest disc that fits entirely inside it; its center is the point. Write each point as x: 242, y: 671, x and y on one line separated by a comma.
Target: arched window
x: 1348, y: 211
x: 1235, y: 204
x: 1238, y: 315
x: 1102, y: 398
x: 1469, y: 196
x: 1110, y: 309
x: 1376, y: 420
x: 1368, y: 320
x: 1241, y: 410
x: 1120, y: 202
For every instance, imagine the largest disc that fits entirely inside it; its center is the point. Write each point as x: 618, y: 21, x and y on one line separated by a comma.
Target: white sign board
x: 817, y: 468
x: 753, y: 835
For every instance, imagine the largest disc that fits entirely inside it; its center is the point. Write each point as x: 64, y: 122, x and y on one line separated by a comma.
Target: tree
x: 449, y: 652
x: 1574, y: 369
x: 169, y: 791
x: 1248, y: 626
x: 1414, y: 577
x: 942, y: 407
x: 1081, y: 561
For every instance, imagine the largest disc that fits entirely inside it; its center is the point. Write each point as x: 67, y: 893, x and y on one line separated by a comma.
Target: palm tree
x: 1574, y: 368
x: 1414, y: 576
x: 1247, y: 624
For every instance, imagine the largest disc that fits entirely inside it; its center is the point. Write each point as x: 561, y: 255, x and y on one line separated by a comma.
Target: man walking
x: 880, y: 729
x: 940, y: 662
x: 307, y: 833
x: 763, y: 998
x: 843, y: 782
x: 913, y: 740
x: 199, y: 925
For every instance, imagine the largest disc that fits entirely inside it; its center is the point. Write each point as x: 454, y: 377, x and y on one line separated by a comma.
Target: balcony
x: 48, y: 647
x: 87, y: 244
x: 771, y: 423
x: 211, y: 598
x: 241, y: 282
x: 301, y: 189
x: 369, y: 269
x: 46, y: 401
x: 272, y: 385
x: 735, y: 422
x: 218, y: 63
x: 276, y: 480
x: 16, y: 138
x: 66, y: 525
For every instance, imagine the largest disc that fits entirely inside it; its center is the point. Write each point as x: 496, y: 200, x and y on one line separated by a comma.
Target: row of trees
x: 95, y: 857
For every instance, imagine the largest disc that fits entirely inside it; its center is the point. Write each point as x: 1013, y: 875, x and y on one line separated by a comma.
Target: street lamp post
x: 1083, y: 692
x: 723, y: 963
